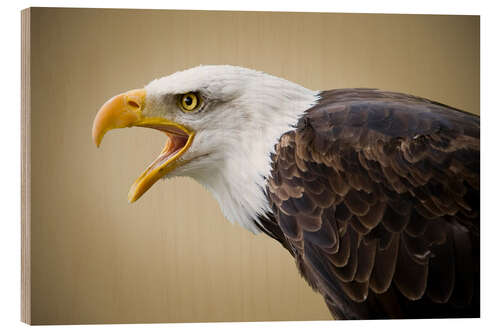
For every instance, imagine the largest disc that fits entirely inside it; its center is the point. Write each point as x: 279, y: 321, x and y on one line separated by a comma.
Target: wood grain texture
x: 171, y: 257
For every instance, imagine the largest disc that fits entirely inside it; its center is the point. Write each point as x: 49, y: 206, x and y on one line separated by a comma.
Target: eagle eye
x: 189, y: 102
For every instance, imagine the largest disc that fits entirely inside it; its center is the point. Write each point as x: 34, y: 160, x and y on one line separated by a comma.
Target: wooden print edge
x: 25, y: 167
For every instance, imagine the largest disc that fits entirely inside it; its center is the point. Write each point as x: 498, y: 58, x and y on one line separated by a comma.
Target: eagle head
x: 221, y: 122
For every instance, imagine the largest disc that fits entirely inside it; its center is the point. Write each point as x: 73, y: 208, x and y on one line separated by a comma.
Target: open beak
x: 125, y: 110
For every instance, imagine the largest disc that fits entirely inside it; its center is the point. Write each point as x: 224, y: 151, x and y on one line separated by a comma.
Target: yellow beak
x: 126, y: 110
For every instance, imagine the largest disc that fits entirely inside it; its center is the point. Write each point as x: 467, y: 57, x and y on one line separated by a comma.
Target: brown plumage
x: 376, y: 195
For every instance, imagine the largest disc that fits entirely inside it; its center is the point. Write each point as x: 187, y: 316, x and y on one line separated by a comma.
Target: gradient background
x: 171, y: 256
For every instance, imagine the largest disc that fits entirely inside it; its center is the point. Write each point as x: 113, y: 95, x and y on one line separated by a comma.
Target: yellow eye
x: 189, y: 101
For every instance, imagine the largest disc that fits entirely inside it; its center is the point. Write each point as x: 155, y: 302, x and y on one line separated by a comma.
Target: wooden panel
x: 171, y: 257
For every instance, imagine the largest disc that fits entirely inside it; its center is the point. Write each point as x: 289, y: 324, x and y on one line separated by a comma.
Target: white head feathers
x: 244, y: 114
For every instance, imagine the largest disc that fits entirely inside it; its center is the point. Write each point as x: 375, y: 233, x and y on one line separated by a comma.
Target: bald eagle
x: 374, y: 193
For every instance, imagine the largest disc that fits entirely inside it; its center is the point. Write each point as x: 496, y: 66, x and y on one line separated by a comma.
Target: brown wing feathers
x: 376, y: 194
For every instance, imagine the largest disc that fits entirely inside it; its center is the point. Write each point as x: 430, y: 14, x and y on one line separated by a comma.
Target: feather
x: 385, y: 266
x: 393, y: 221
x: 441, y: 272
x: 345, y: 273
x: 356, y: 204
x: 289, y: 225
x: 373, y: 216
x: 410, y: 277
x: 341, y: 258
x: 366, y: 260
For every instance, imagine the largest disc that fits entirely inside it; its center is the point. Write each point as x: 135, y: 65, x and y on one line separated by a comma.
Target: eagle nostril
x: 133, y: 104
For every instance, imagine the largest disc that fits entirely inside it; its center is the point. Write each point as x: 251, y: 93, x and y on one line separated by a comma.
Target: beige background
x: 171, y: 257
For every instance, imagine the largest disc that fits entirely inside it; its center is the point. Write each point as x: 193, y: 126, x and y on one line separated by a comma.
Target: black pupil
x: 188, y: 100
